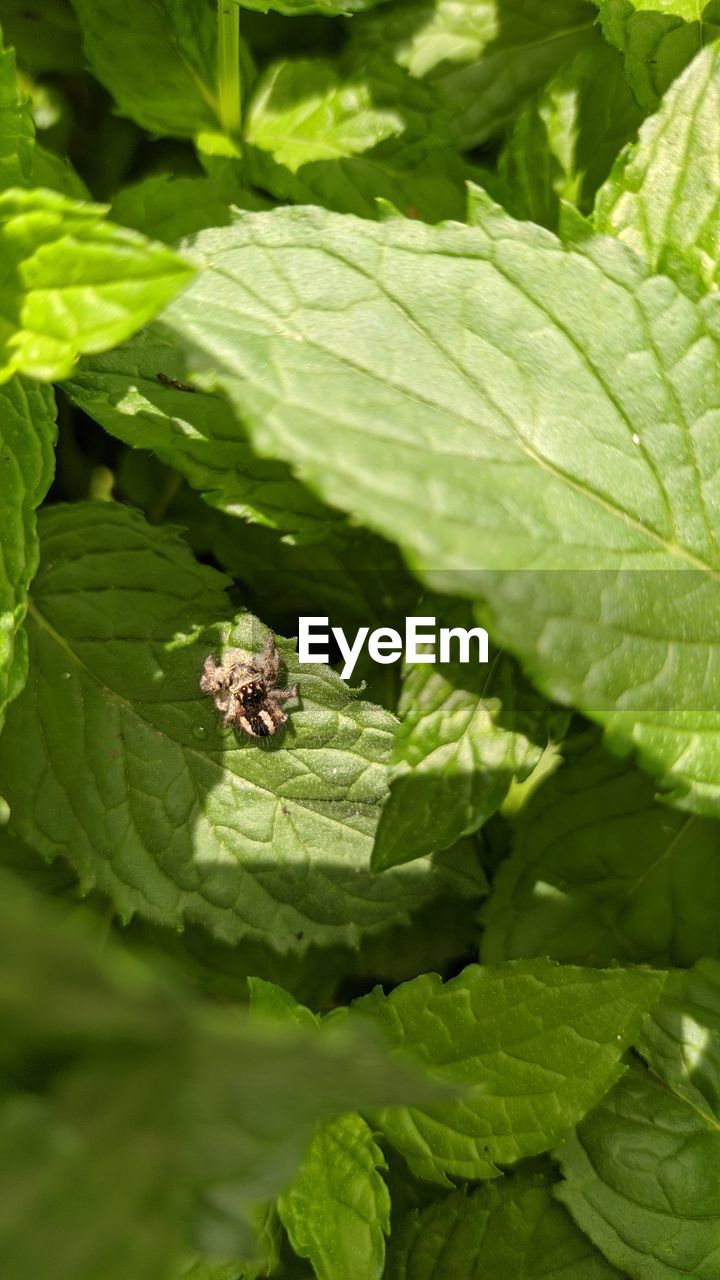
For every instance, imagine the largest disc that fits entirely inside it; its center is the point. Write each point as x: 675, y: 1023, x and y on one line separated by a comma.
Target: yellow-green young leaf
x: 458, y: 748
x: 484, y: 56
x: 17, y: 132
x: 599, y: 871
x: 658, y: 39
x: 346, y: 134
x: 642, y: 1170
x: 27, y: 437
x: 73, y: 282
x: 116, y: 1079
x: 115, y: 757
x: 509, y: 1228
x: 535, y: 1045
x: 451, y: 388
x: 157, y: 58
x: 336, y: 1211
x: 663, y: 197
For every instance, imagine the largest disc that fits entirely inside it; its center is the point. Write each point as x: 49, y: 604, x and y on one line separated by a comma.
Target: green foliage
x: 359, y: 310
x: 513, y: 1227
x: 533, y: 1043
x: 659, y: 1213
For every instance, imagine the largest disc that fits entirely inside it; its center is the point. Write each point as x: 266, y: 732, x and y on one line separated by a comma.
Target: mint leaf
x: 512, y: 1227
x: 73, y: 282
x: 27, y: 437
x: 470, y: 354
x: 141, y: 394
x: 138, y: 1087
x: 599, y: 871
x: 535, y: 1045
x: 45, y: 36
x: 658, y: 40
x: 184, y: 821
x: 349, y: 133
x: 456, y: 753
x: 337, y: 1208
x: 641, y: 1171
x: 662, y: 197
x: 563, y: 144
x: 485, y: 57
x: 157, y: 58
x: 169, y: 209
x: 331, y: 8
x: 17, y: 132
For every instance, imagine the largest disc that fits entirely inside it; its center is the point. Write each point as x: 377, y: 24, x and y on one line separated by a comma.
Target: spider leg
x: 208, y: 679
x: 281, y: 695
x: 270, y: 660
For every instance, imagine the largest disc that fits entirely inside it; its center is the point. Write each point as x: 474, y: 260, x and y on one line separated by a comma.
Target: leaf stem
x: 228, y: 67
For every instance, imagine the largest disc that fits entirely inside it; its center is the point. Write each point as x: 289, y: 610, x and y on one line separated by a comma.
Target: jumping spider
x: 243, y: 689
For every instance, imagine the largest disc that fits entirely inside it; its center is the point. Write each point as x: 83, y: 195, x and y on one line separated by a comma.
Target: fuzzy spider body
x: 244, y: 689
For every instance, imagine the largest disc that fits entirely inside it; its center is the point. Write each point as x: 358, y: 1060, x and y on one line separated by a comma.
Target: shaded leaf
x: 642, y: 1171
x: 511, y: 1227
x: 27, y: 437
x: 114, y: 757
x: 658, y: 39
x: 600, y: 871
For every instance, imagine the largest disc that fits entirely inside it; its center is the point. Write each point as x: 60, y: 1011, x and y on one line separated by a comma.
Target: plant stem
x: 228, y: 67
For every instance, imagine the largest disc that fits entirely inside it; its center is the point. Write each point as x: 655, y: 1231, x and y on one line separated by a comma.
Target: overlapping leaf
x: 642, y: 1171
x: 157, y: 58
x: 141, y: 1100
x: 535, y: 1044
x: 601, y: 872
x: 489, y: 420
x: 73, y: 282
x: 663, y: 197
x: 345, y: 134
x: 27, y: 436
x: 658, y: 39
x: 456, y: 752
x: 508, y: 1228
x: 114, y: 756
x: 484, y: 56
x: 16, y: 126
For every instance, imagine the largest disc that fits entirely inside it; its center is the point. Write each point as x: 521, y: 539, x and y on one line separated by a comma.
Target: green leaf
x: 350, y: 133
x: 658, y: 39
x: 157, y: 58
x: 562, y: 146
x: 169, y: 209
x: 662, y: 197
x: 73, y: 282
x: 485, y: 57
x: 536, y: 1045
x: 140, y: 394
x: 642, y: 1170
x: 330, y: 8
x: 45, y: 36
x: 557, y: 436
x: 27, y: 437
x: 456, y: 753
x: 509, y: 1228
x: 600, y: 871
x: 127, y: 1082
x: 114, y: 756
x: 17, y: 132
x: 337, y: 1209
